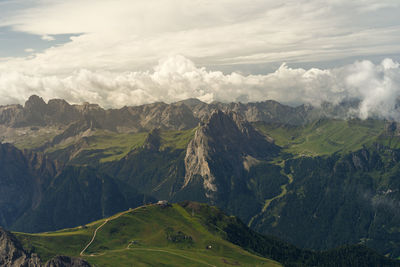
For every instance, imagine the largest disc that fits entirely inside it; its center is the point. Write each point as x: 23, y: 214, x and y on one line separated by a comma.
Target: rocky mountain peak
x: 220, y: 119
x: 233, y: 128
x: 65, y: 261
x: 153, y: 140
x: 59, y: 105
x: 12, y: 254
x: 35, y: 102
x: 33, y: 113
x: 223, y: 137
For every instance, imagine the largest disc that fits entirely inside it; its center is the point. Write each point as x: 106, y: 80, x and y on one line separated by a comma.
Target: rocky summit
x: 336, y: 176
x: 12, y: 254
x: 224, y: 139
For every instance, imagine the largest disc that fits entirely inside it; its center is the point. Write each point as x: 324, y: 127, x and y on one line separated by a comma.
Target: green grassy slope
x: 176, y: 139
x: 168, y: 236
x: 325, y: 137
x: 34, y: 139
x: 102, y: 146
x: 289, y: 255
x: 185, y: 234
x: 322, y: 137
x: 106, y: 146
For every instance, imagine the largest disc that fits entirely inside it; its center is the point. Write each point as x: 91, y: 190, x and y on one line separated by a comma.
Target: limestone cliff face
x: 12, y: 254
x: 196, y: 161
x: 36, y: 112
x: 176, y: 116
x: 219, y: 150
x: 65, y: 261
x: 10, y: 114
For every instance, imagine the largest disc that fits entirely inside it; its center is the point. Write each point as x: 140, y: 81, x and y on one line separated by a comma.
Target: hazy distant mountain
x: 180, y: 115
x: 267, y: 163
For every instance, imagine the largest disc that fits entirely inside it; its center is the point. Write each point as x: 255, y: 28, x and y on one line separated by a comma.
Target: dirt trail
x: 269, y: 201
x: 128, y: 247
x: 98, y: 228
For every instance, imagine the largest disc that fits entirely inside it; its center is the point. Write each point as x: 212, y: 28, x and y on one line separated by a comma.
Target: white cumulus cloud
x: 126, y: 34
x: 114, y: 45
x: 176, y: 78
x: 47, y: 37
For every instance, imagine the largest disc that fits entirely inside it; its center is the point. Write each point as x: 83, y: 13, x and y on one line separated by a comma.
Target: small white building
x: 162, y: 202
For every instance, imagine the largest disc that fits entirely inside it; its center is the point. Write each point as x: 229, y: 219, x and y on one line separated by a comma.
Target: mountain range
x: 316, y: 177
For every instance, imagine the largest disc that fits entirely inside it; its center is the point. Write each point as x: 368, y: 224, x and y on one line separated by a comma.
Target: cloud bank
x: 114, y: 45
x: 176, y: 78
x: 133, y: 35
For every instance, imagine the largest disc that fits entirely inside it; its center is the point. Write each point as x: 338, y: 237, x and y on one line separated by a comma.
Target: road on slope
x: 98, y: 228
x: 128, y: 247
x: 269, y: 201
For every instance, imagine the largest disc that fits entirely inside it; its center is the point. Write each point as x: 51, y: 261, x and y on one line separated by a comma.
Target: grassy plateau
x: 147, y: 236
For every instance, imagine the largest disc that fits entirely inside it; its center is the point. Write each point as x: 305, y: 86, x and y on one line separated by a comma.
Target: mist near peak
x: 175, y: 78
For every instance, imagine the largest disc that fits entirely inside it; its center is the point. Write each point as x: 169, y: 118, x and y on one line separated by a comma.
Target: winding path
x: 98, y: 228
x: 269, y: 201
x: 94, y: 236
x: 138, y: 249
x: 128, y: 247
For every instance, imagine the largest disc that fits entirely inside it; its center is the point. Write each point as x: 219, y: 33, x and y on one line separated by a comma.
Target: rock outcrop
x: 36, y: 112
x: 66, y: 121
x: 178, y: 116
x: 65, y: 261
x: 153, y: 140
x: 220, y: 147
x: 12, y: 254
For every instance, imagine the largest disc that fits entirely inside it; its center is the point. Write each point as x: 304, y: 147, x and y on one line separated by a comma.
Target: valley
x: 269, y: 201
x: 268, y: 164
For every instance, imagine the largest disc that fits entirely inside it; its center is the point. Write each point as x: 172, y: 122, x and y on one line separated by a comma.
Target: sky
x: 131, y: 52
